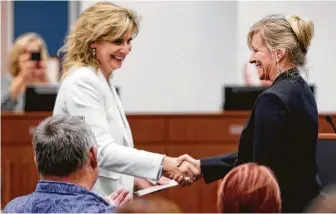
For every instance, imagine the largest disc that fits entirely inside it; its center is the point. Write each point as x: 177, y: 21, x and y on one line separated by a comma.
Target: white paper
x: 155, y: 188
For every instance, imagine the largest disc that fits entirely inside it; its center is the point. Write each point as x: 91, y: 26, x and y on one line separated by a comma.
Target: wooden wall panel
x: 19, y: 174
x: 324, y: 126
x: 147, y: 129
x: 207, y: 128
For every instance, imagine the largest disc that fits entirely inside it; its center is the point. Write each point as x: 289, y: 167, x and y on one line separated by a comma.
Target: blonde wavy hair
x: 102, y: 21
x: 285, y: 31
x: 19, y: 48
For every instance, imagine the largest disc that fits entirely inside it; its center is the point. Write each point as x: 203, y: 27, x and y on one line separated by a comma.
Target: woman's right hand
x: 24, y: 77
x: 30, y: 72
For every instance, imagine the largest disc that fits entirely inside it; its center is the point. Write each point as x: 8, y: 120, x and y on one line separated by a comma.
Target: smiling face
x: 111, y: 54
x: 262, y: 58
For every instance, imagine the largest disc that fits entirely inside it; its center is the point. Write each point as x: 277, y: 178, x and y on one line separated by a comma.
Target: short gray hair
x: 62, y: 144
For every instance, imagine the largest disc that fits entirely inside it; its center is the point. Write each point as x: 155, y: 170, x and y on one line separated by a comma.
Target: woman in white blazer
x: 96, y: 46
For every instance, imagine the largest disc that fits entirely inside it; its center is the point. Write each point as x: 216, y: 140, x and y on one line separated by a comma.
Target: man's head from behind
x: 65, y: 150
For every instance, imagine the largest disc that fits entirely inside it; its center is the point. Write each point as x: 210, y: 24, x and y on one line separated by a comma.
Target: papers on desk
x: 155, y: 188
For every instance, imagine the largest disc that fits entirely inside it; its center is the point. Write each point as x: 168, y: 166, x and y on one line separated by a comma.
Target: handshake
x: 183, y: 169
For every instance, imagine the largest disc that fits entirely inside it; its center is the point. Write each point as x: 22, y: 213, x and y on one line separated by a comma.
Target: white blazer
x: 87, y: 93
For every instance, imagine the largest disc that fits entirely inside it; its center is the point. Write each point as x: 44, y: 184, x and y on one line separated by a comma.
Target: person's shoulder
x: 292, y: 91
x: 284, y: 85
x: 86, y: 75
x: 289, y: 85
x: 82, y: 72
x: 270, y: 99
x: 269, y: 94
x: 95, y: 208
x: 17, y: 205
x: 6, y: 80
x: 286, y: 94
x: 92, y: 203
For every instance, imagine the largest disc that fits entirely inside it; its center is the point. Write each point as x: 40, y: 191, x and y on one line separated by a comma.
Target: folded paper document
x: 155, y: 188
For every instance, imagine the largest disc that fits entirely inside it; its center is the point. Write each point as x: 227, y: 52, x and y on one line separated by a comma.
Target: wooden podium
x: 200, y: 135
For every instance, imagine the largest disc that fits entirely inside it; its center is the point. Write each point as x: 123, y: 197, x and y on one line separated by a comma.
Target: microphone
x: 329, y: 120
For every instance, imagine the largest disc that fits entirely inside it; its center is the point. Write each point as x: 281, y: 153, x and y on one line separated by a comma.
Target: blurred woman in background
x: 27, y: 64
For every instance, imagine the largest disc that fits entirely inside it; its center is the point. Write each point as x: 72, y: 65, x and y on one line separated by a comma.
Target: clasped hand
x: 183, y: 169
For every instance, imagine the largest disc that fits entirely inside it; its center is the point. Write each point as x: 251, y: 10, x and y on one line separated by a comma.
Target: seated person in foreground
x: 23, y: 70
x: 325, y: 202
x: 66, y: 159
x: 249, y: 188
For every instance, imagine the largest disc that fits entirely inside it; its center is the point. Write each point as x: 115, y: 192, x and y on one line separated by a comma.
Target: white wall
x: 184, y: 54
x: 186, y: 51
x: 322, y: 53
x: 7, y: 28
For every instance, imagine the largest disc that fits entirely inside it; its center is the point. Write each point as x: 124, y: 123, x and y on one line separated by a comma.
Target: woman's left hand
x: 118, y: 198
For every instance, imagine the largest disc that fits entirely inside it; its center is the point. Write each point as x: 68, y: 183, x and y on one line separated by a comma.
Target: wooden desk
x: 199, y: 135
x: 327, y: 136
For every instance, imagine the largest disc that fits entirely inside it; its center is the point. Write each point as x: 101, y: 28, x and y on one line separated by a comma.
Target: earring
x: 278, y: 66
x: 279, y: 70
x: 93, y: 50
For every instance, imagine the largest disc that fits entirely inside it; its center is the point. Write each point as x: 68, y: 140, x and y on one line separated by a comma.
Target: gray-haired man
x: 66, y: 159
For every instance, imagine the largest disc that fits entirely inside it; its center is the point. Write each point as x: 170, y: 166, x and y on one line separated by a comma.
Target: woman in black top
x: 282, y: 129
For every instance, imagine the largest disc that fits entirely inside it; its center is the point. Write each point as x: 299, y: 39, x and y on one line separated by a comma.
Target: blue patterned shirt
x: 59, y: 197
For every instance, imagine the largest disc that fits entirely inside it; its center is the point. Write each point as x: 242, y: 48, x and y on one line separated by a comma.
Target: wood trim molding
x: 326, y: 136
